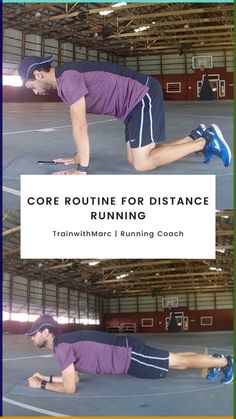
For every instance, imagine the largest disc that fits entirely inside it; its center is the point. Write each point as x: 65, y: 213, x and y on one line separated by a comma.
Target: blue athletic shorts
x: 146, y: 361
x: 145, y: 124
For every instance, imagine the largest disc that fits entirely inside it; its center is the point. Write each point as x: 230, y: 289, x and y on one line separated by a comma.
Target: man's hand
x: 34, y: 382
x: 40, y: 376
x: 67, y: 160
x: 69, y: 172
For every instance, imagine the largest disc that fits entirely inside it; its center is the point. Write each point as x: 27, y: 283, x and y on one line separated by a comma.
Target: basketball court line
x: 199, y: 115
x: 55, y: 128
x: 27, y: 357
x: 11, y: 191
x: 125, y: 396
x: 32, y: 408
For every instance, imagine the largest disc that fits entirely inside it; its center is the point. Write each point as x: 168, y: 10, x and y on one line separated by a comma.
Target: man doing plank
x: 94, y: 352
x: 134, y: 98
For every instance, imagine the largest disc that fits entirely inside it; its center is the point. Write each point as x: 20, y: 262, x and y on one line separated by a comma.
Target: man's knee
x: 142, y: 158
x: 141, y: 166
x: 130, y: 162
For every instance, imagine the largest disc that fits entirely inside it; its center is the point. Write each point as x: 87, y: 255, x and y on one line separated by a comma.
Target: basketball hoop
x: 202, y: 67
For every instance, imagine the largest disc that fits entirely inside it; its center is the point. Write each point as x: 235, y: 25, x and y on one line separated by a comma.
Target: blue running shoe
x: 228, y: 371
x: 216, y: 145
x: 214, y: 371
x: 198, y: 132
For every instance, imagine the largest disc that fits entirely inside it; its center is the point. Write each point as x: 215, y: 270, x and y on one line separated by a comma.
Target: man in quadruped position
x: 134, y: 98
x: 95, y: 352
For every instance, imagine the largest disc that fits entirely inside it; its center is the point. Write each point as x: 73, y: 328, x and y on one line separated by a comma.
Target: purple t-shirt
x: 93, y: 357
x: 109, y: 89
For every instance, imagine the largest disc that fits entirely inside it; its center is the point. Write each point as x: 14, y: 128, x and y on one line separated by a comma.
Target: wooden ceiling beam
x: 176, y: 291
x: 184, y: 12
x: 178, y: 22
x: 11, y: 231
x: 180, y: 37
x: 123, y: 8
x: 135, y: 264
x: 11, y: 252
x: 199, y: 276
x: 185, y: 30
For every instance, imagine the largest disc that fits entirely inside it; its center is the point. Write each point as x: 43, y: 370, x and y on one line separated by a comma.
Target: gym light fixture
x: 106, y: 12
x: 122, y: 3
x: 141, y: 28
x: 122, y: 276
x: 94, y: 263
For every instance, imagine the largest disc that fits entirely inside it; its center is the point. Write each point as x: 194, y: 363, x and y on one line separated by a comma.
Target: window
x: 173, y: 87
x: 147, y: 322
x: 212, y: 77
x: 207, y: 321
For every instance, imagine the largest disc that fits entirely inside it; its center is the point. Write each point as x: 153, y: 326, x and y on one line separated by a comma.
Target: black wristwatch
x: 82, y: 168
x: 43, y: 385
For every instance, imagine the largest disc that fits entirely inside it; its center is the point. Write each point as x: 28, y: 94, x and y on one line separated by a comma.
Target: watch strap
x: 43, y: 385
x: 82, y: 168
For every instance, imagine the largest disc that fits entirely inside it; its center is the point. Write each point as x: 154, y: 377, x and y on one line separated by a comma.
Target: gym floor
x: 42, y: 131
x: 181, y: 393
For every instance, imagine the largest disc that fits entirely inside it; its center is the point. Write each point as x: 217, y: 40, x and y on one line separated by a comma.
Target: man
x: 96, y: 352
x: 134, y: 98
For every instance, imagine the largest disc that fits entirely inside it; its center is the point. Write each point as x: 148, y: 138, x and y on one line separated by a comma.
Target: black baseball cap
x: 29, y: 64
x: 42, y: 322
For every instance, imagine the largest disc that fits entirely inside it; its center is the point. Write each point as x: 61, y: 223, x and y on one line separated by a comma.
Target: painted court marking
x: 202, y: 116
x: 49, y: 129
x: 10, y: 190
x: 159, y: 394
x: 33, y: 408
x: 28, y: 357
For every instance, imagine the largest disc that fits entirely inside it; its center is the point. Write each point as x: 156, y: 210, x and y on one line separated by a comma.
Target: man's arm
x: 65, y: 384
x: 54, y: 378
x: 80, y: 131
x: 80, y: 135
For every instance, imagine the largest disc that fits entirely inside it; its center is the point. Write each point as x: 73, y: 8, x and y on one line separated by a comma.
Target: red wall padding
x: 189, y: 84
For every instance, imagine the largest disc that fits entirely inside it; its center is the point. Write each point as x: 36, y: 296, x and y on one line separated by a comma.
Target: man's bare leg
x: 176, y: 142
x: 150, y: 157
x: 182, y: 361
x: 129, y: 154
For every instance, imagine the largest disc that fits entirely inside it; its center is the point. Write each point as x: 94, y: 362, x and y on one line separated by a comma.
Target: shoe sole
x: 220, y: 135
x: 232, y: 379
x: 228, y: 382
x: 212, y: 379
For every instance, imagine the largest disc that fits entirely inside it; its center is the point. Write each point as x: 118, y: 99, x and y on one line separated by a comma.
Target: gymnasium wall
x: 173, y: 71
x: 176, y: 75
x: 219, y: 306
x: 221, y: 320
x: 17, y: 327
x: 23, y: 299
x: 16, y: 45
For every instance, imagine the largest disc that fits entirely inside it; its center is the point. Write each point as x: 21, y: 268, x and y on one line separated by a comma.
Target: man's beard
x: 42, y: 345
